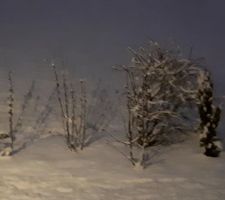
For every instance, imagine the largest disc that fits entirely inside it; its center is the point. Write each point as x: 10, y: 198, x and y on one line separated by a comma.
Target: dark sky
x: 92, y: 35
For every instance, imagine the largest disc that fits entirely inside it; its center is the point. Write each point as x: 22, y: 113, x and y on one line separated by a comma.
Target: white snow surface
x: 47, y: 170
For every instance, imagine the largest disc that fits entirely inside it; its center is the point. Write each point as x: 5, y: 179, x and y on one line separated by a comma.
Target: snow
x: 7, y: 151
x: 47, y: 170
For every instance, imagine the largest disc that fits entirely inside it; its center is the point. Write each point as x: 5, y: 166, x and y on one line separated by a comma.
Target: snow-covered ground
x: 47, y: 170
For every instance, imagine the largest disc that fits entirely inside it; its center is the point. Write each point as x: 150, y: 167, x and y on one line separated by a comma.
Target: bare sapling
x: 83, y: 117
x: 74, y: 128
x: 58, y: 92
x: 11, y: 111
x: 67, y: 112
x: 63, y: 103
x: 131, y: 125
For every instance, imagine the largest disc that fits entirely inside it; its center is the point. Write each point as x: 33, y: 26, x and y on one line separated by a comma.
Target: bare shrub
x: 85, y: 115
x: 73, y: 111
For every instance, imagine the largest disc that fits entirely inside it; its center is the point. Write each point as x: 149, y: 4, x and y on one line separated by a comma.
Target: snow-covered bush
x: 209, y: 116
x: 156, y: 91
x: 161, y: 92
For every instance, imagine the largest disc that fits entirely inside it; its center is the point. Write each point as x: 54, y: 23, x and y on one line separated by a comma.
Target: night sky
x: 92, y: 35
x: 96, y: 34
